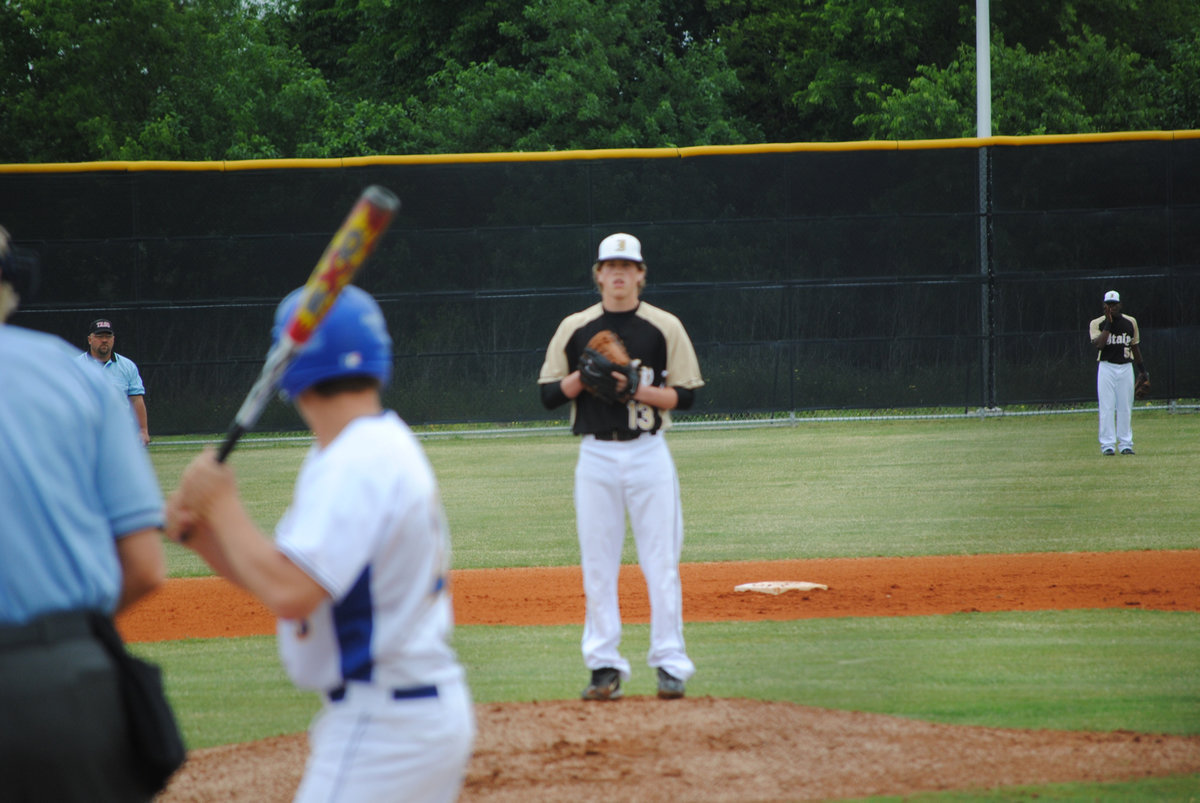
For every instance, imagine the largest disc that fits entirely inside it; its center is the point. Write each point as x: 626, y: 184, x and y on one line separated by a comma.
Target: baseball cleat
x: 1109, y: 452
x: 605, y: 685
x: 1127, y: 450
x: 669, y: 686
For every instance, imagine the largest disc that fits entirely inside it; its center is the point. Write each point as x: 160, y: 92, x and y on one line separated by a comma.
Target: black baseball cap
x: 100, y: 326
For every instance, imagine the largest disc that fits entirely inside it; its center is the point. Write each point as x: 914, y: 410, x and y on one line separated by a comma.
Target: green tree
x: 1146, y: 27
x: 152, y: 79
x: 572, y: 74
x: 1087, y: 85
x: 809, y: 67
x: 385, y: 51
x: 848, y: 69
x: 1180, y: 84
x: 242, y: 95
x: 235, y: 79
x: 73, y: 87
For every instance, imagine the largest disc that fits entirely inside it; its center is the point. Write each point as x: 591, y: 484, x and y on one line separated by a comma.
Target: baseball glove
x: 1141, y: 388
x: 604, y: 354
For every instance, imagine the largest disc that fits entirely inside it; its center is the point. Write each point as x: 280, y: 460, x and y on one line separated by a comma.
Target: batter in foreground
x: 621, y: 398
x: 356, y: 574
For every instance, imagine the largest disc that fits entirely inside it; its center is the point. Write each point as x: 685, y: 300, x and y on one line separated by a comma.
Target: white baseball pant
x: 637, y: 476
x: 370, y: 747
x: 1114, y: 391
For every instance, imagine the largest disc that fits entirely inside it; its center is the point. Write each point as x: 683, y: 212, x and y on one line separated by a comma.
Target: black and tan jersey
x: 652, y: 335
x: 1122, y: 337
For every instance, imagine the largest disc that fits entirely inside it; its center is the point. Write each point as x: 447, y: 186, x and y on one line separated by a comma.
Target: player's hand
x: 183, y: 524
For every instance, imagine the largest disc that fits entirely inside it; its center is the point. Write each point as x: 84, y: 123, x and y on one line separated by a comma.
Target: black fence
x: 876, y: 276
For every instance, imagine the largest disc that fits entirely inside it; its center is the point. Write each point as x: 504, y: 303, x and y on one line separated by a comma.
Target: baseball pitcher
x: 624, y: 365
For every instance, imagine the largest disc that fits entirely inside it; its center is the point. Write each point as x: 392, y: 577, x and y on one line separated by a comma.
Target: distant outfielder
x: 1116, y: 339
x: 357, y: 572
x: 623, y: 385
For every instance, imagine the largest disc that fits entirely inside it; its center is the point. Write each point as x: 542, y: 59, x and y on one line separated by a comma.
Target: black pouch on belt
x: 157, y: 744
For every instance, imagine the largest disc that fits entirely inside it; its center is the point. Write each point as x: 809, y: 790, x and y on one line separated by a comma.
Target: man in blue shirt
x: 80, y: 522
x: 121, y: 371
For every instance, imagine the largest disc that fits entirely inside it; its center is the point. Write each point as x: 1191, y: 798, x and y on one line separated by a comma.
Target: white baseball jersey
x: 367, y: 524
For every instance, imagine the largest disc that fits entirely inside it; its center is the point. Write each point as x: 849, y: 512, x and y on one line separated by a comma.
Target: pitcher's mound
x: 706, y: 749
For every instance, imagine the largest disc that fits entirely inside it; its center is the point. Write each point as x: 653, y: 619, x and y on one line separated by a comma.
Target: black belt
x: 48, y: 629
x: 617, y: 435
x: 413, y: 693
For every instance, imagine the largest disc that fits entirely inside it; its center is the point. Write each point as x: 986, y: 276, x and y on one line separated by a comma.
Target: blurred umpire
x: 80, y: 517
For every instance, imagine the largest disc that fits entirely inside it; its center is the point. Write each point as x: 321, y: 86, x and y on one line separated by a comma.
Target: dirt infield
x: 706, y: 749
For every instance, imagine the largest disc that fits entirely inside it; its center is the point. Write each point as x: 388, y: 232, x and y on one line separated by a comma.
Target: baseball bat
x: 347, y: 251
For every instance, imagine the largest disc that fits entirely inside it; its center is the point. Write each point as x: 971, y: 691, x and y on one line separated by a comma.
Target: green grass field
x: 817, y: 489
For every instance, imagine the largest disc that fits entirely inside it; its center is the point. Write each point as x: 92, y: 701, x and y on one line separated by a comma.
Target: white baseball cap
x: 620, y: 246
x: 1113, y: 296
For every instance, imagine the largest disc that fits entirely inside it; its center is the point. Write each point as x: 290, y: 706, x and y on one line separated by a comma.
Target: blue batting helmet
x: 352, y: 341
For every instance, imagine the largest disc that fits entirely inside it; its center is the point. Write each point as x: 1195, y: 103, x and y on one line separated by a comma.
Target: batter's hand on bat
x: 184, y: 525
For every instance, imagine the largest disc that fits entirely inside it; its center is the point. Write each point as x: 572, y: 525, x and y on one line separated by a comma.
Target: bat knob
x: 382, y: 197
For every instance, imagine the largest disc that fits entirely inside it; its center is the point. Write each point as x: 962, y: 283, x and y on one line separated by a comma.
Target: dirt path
x: 211, y: 607
x: 710, y: 750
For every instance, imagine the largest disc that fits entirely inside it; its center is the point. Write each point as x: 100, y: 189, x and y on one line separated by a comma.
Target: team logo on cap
x: 620, y: 246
